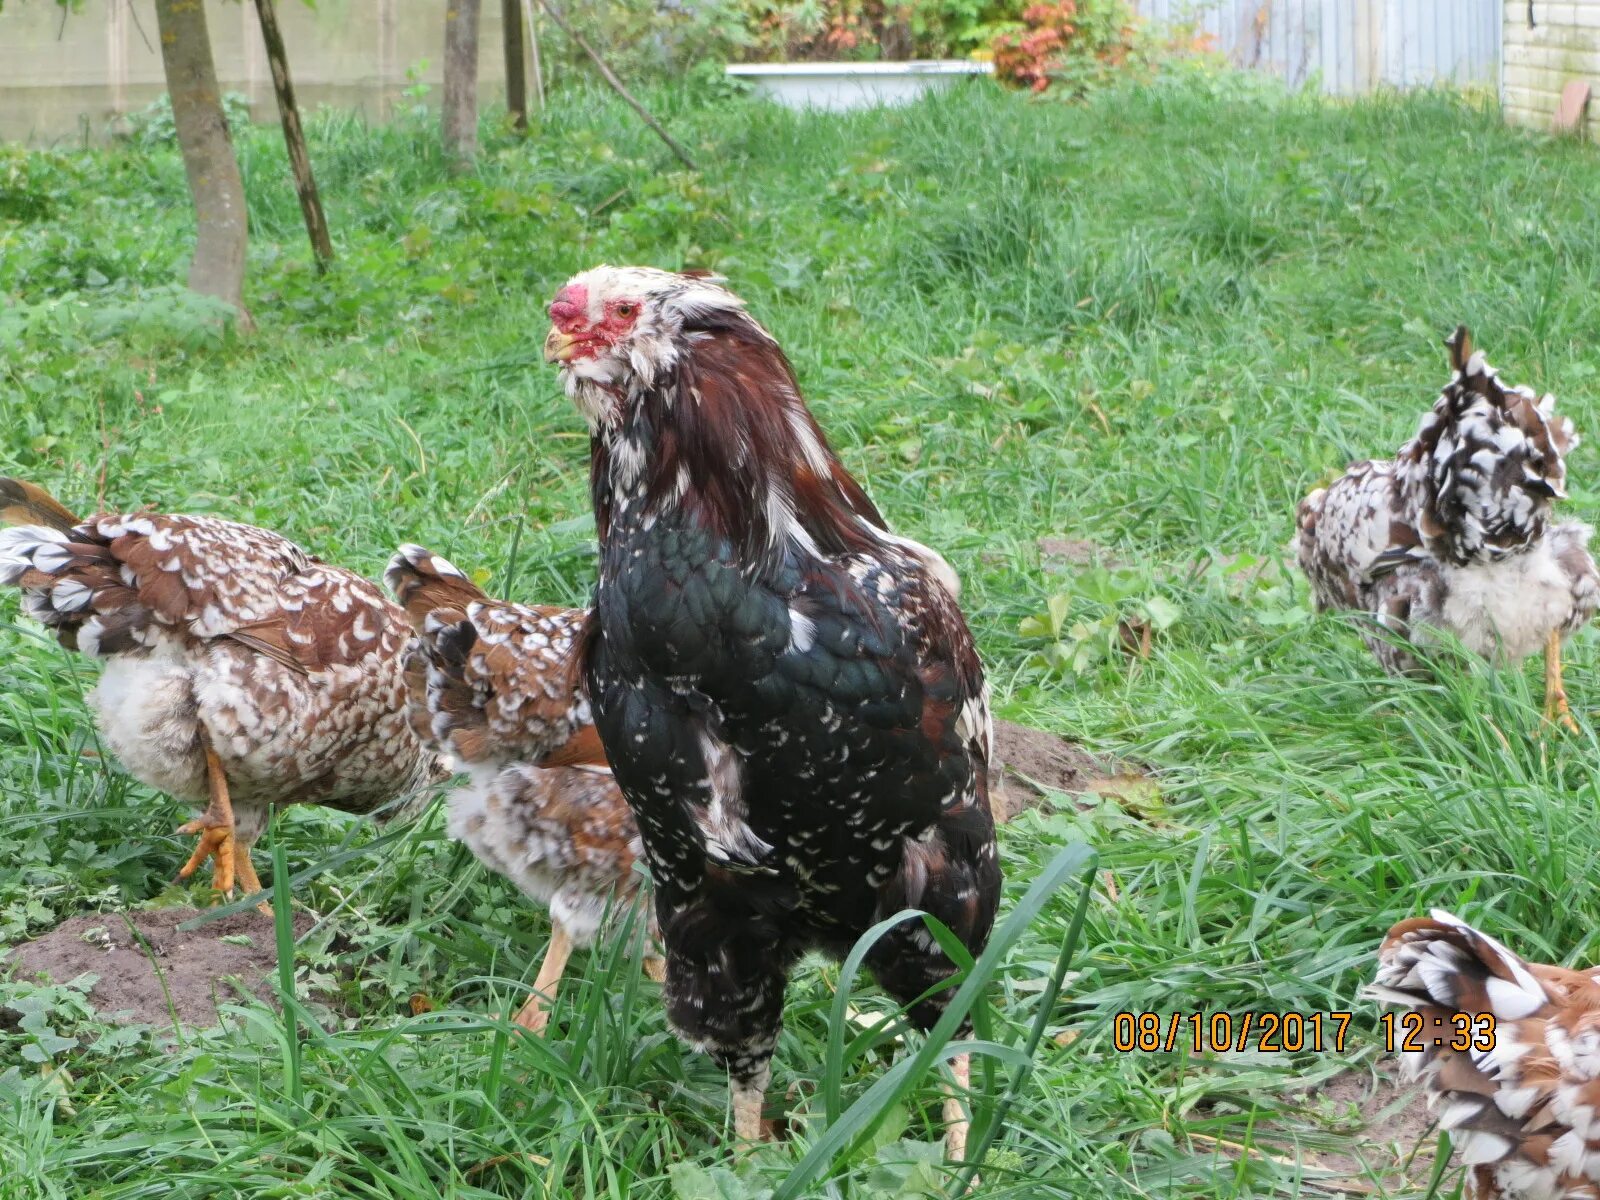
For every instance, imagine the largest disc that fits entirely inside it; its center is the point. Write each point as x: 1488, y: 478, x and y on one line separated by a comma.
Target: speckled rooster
x: 787, y: 692
x: 1455, y: 532
x: 1518, y: 1091
x: 238, y: 671
x: 494, y: 687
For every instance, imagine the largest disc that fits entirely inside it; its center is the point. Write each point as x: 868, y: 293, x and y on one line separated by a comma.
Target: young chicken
x: 239, y: 672
x: 787, y: 692
x: 1509, y: 1052
x: 494, y: 687
x: 1455, y: 533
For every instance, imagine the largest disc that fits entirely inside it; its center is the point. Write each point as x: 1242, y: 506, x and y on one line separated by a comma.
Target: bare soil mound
x: 223, y: 960
x: 1034, y: 762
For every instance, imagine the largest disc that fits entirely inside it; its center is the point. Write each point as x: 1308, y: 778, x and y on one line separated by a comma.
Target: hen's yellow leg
x: 215, y: 827
x: 249, y: 881
x: 1556, y: 707
x: 534, y: 1015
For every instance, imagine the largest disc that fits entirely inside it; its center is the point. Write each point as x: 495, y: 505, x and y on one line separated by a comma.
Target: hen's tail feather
x: 489, y: 681
x: 1442, y: 962
x: 23, y: 503
x: 424, y: 582
x: 1487, y: 1095
x: 1478, y: 479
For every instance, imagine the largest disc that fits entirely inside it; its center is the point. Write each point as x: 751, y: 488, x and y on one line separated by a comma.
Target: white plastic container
x: 839, y: 87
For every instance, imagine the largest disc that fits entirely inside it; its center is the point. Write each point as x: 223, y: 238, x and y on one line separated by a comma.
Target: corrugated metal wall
x: 1349, y: 45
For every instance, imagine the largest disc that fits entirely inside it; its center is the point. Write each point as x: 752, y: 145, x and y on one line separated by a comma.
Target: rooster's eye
x: 626, y: 310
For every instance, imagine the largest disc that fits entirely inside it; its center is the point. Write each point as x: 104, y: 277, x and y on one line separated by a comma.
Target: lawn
x: 1140, y: 327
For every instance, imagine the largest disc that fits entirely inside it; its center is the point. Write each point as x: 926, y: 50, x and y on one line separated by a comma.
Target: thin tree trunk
x: 516, y: 78
x: 305, y: 183
x: 221, y: 221
x: 460, y: 118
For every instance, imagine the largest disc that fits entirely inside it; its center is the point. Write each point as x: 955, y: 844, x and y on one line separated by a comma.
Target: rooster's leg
x: 214, y: 826
x: 956, y: 1123
x: 534, y: 1015
x: 748, y: 1094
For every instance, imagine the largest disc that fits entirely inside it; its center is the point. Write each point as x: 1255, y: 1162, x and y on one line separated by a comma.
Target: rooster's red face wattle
x: 615, y: 329
x: 581, y: 329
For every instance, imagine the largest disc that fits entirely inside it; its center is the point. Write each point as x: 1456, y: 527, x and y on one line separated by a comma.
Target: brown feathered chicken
x: 494, y: 688
x: 1509, y: 1052
x: 238, y: 671
x: 1455, y: 532
x: 787, y: 692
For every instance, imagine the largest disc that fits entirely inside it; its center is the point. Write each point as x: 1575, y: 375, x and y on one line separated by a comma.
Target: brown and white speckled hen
x: 1509, y: 1053
x: 238, y: 673
x: 787, y: 692
x: 1455, y: 532
x: 494, y: 687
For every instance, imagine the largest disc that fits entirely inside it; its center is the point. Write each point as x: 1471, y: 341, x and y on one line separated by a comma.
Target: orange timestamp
x: 1413, y: 1032
x: 1222, y: 1032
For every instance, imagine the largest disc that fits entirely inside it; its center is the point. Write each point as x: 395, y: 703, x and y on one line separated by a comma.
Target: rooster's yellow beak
x: 558, y: 346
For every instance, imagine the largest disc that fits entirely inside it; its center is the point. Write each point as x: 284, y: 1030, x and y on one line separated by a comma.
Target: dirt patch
x: 1033, y: 762
x: 219, y: 961
x: 1361, y: 1133
x: 1061, y: 554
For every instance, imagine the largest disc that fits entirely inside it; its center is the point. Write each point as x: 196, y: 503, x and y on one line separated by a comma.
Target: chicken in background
x: 787, y: 692
x: 1508, y: 1052
x: 239, y: 672
x: 1455, y: 532
x: 494, y: 688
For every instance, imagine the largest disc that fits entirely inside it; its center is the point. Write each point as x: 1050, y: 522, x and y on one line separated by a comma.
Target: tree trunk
x: 460, y: 125
x: 221, y: 221
x: 516, y: 79
x: 305, y: 183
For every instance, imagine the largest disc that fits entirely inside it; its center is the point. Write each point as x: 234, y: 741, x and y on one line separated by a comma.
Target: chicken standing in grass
x: 239, y: 672
x: 1508, y: 1051
x: 1455, y: 532
x: 787, y: 692
x: 494, y: 686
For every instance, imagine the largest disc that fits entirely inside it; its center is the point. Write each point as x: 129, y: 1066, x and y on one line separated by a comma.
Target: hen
x: 1455, y: 533
x: 1515, y: 1076
x: 239, y: 672
x: 494, y: 687
x: 787, y: 692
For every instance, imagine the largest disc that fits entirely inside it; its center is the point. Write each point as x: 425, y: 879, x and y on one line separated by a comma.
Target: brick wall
x: 1563, y: 45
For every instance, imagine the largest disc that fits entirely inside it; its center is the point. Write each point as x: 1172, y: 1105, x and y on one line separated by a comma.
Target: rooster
x: 493, y: 687
x: 239, y: 672
x: 1455, y: 532
x: 787, y: 692
x: 1509, y: 1052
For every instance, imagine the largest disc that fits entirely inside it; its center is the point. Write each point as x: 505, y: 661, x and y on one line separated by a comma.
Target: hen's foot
x: 215, y: 827
x: 217, y: 840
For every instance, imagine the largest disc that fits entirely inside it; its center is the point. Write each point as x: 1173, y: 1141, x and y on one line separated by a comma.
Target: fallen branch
x: 610, y: 77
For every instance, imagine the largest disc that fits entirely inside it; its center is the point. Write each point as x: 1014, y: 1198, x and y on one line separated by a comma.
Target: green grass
x: 1151, y: 322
